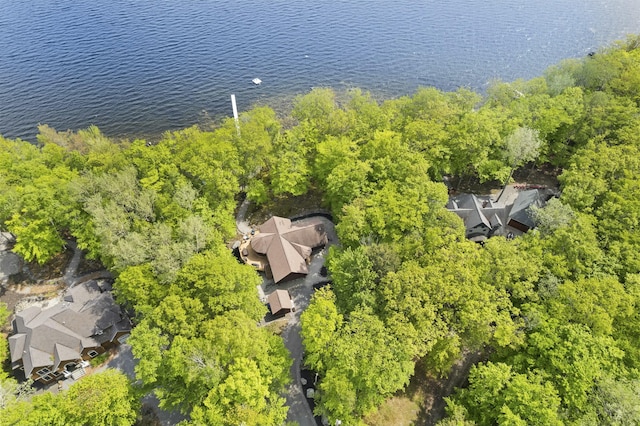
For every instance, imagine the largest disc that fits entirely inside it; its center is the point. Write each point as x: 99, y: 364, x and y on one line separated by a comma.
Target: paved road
x: 301, y: 291
x: 125, y: 362
x: 72, y: 268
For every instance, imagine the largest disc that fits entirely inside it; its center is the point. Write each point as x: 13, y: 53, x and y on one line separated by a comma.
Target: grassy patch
x: 276, y: 327
x: 99, y: 360
x: 285, y: 207
x: 395, y: 411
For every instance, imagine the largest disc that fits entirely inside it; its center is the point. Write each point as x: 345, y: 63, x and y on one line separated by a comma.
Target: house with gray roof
x: 48, y: 344
x: 483, y: 217
x: 520, y: 214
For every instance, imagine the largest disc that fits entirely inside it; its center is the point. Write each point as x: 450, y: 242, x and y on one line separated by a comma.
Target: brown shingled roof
x: 279, y: 300
x: 287, y: 246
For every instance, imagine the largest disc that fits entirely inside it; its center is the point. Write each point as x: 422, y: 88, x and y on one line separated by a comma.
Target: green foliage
x: 573, y: 251
x: 99, y: 360
x: 242, y: 397
x: 522, y: 146
x: 354, y: 281
x: 137, y: 286
x: 570, y: 357
x: 320, y: 322
x: 258, y: 130
x: 12, y: 392
x: 318, y: 114
x: 553, y: 216
x: 497, y: 395
x: 100, y: 399
x: 36, y: 204
x: 596, y: 302
x: 186, y: 369
x: 360, y: 360
x: 616, y: 401
x: 220, y: 283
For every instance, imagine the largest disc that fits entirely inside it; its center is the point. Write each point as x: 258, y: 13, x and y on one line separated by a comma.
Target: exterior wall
x: 519, y: 226
x: 87, y: 357
x: 53, y: 375
x: 119, y: 335
x: 477, y: 230
x: 47, y: 377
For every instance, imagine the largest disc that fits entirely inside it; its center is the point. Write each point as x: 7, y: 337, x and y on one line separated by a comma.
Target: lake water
x: 136, y: 67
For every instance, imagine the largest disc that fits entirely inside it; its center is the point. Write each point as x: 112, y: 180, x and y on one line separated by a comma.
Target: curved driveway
x: 301, y: 291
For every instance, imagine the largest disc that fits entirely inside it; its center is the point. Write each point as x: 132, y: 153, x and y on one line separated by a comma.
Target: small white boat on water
x: 257, y: 81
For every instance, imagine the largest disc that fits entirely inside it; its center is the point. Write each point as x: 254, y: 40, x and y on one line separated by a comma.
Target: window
x: 42, y: 371
x: 46, y: 378
x: 123, y: 339
x: 93, y: 353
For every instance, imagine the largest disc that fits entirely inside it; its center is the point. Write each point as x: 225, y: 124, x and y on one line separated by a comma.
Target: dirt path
x: 241, y: 223
x: 433, y: 409
x: 72, y: 267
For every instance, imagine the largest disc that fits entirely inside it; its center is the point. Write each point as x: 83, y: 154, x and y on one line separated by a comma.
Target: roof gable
x: 520, y: 212
x: 63, y: 353
x: 62, y: 331
x: 279, y: 300
x: 287, y: 246
x: 16, y: 346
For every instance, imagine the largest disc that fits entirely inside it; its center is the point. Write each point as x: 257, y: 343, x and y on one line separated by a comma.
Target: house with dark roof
x: 484, y: 218
x: 284, y: 248
x: 49, y: 344
x: 520, y: 214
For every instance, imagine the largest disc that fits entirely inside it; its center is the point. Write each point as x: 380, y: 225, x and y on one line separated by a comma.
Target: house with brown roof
x: 280, y: 302
x: 284, y: 248
x: 49, y: 344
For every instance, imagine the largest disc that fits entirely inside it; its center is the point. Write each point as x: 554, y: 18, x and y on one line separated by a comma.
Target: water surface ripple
x: 136, y: 67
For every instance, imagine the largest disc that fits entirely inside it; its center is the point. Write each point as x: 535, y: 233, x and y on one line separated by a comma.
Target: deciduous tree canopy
x: 555, y: 312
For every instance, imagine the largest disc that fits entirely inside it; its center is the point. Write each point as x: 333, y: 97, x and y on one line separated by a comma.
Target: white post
x: 235, y: 113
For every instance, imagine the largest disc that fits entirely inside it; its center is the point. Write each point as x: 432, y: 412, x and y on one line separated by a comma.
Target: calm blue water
x: 141, y: 67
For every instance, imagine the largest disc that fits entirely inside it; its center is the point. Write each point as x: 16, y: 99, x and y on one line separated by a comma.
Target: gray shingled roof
x: 60, y: 333
x: 63, y: 353
x: 469, y: 209
x: 16, y: 346
x: 520, y: 210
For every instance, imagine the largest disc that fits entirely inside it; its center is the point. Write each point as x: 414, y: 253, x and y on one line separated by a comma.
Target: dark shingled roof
x: 61, y: 332
x: 470, y: 209
x: 520, y: 210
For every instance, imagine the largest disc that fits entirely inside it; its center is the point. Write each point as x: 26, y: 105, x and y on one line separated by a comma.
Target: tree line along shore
x: 554, y: 312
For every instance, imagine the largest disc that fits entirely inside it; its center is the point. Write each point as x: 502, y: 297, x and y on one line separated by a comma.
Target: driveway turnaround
x: 301, y: 291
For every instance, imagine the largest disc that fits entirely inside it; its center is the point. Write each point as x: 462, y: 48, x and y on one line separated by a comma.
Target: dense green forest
x: 555, y: 313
